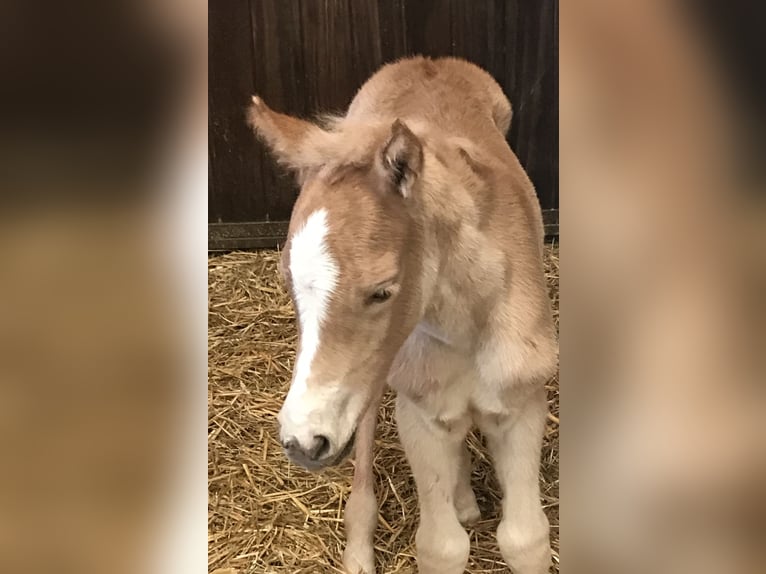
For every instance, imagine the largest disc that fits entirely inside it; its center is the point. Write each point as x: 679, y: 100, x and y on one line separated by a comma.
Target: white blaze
x: 314, y: 275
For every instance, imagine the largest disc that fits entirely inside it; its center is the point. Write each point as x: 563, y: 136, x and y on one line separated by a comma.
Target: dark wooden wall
x: 306, y: 56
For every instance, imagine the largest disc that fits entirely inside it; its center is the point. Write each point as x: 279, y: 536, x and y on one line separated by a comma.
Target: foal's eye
x: 380, y: 295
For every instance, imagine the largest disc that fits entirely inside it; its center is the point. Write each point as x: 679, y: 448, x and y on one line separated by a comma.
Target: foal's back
x: 453, y: 94
x: 457, y: 98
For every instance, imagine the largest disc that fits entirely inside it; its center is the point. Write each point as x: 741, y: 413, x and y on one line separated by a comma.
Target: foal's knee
x: 525, y: 546
x: 443, y: 549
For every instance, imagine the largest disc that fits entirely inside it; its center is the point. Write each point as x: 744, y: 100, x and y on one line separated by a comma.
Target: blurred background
x: 662, y: 386
x: 102, y: 286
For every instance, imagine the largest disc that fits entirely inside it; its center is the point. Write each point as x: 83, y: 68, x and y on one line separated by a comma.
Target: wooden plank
x: 280, y: 77
x: 365, y: 27
x: 328, y: 52
x: 392, y: 30
x: 252, y: 235
x: 531, y: 82
x: 475, y: 33
x: 551, y: 222
x: 232, y: 190
x: 429, y: 27
x: 263, y: 235
x: 307, y: 56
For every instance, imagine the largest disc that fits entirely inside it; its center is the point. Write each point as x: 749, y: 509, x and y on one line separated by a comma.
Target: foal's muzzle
x: 318, y: 454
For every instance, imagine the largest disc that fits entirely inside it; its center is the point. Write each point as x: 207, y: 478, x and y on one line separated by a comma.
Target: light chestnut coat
x: 414, y: 257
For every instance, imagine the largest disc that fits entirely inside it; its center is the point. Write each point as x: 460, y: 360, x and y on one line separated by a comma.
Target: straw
x: 268, y: 516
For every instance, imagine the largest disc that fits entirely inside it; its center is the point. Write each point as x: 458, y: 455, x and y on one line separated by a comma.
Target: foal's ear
x: 295, y: 143
x: 402, y: 158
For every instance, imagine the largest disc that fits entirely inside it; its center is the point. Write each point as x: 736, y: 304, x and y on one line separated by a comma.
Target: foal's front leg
x: 361, y: 514
x: 515, y: 442
x: 434, y: 453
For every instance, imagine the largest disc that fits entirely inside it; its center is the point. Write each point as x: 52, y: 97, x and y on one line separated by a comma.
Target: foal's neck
x: 462, y: 270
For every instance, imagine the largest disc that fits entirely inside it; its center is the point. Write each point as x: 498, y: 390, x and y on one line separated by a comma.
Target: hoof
x: 469, y: 515
x: 358, y: 561
x: 467, y: 509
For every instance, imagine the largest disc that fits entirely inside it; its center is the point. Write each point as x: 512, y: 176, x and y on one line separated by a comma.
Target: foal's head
x: 351, y: 265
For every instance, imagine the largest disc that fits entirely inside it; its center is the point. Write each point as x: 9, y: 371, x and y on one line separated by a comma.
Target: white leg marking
x: 515, y: 442
x: 465, y: 500
x: 434, y: 455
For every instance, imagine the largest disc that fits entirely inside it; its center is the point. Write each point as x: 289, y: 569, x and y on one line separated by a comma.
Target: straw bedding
x: 267, y: 516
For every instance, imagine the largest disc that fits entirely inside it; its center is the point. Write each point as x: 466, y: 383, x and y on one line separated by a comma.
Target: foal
x: 414, y: 257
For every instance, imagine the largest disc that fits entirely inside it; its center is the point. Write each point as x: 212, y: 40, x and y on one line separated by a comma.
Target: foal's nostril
x: 319, y: 449
x: 291, y: 445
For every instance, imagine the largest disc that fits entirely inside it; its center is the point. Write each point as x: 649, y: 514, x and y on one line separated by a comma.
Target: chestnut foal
x: 414, y: 257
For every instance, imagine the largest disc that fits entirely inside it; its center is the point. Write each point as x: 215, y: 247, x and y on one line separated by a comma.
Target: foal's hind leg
x: 434, y: 451
x: 465, y: 500
x: 515, y: 442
